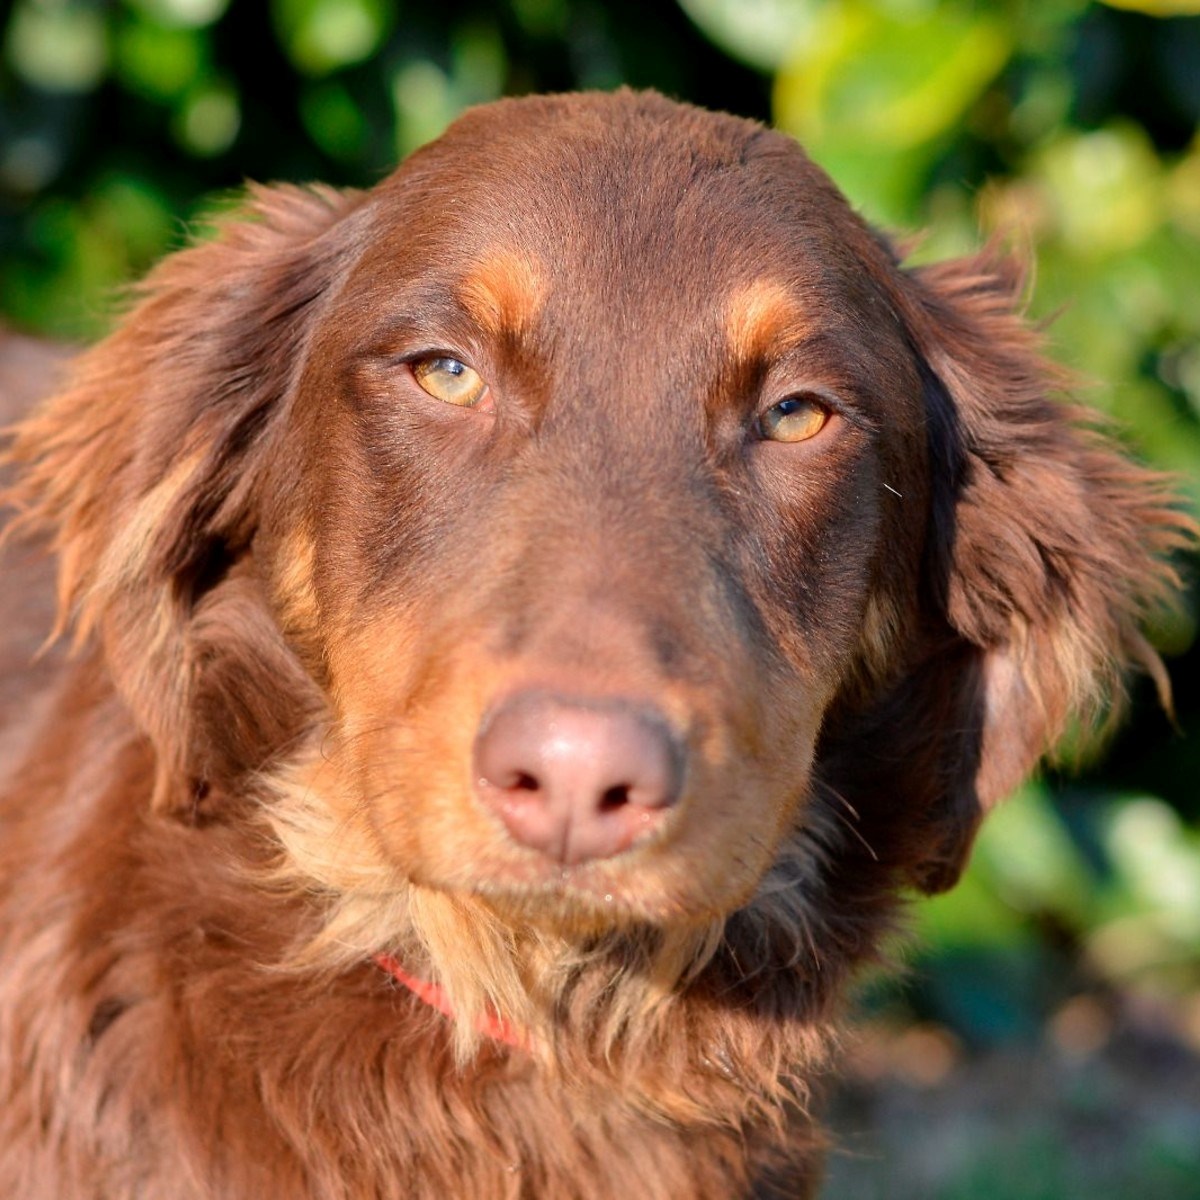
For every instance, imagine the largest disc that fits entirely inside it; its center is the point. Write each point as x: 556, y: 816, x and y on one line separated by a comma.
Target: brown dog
x: 532, y: 621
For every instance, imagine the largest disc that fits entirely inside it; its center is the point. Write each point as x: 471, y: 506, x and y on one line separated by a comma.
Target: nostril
x: 524, y: 782
x: 615, y: 797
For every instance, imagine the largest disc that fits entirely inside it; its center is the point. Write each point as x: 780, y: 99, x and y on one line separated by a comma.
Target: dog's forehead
x: 619, y: 195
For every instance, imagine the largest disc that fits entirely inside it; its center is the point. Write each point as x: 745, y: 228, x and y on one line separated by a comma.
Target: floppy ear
x: 146, y: 475
x: 1047, y: 549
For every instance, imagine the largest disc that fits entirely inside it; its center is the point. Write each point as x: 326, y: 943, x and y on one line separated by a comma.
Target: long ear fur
x: 143, y: 472
x: 1048, y: 550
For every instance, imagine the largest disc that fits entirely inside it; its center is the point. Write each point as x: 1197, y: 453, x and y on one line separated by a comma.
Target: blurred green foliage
x: 120, y: 120
x: 1066, y: 126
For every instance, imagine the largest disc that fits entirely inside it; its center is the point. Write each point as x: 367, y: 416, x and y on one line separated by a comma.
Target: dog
x: 510, y: 641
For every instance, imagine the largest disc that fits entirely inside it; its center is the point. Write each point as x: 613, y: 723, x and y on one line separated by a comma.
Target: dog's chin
x: 593, y: 899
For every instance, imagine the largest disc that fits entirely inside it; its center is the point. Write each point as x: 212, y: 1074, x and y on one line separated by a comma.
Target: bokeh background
x: 1043, y: 1042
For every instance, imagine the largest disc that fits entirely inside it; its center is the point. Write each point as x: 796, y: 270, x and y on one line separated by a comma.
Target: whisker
x: 848, y: 821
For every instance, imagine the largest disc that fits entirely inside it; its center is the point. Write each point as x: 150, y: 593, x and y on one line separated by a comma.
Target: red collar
x: 491, y: 1024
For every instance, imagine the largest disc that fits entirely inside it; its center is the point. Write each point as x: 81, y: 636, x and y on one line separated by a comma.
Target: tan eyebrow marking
x: 504, y: 291
x: 759, y: 315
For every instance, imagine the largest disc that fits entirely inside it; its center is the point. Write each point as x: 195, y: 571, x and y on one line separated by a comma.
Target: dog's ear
x: 1047, y: 549
x: 146, y: 471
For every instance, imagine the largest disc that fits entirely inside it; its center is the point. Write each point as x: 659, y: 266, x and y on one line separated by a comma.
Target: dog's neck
x: 490, y: 1023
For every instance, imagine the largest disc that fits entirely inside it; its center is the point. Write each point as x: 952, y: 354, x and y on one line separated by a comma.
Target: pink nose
x: 573, y: 779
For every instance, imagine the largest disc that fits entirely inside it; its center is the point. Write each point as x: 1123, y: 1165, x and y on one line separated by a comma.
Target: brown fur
x: 296, y: 583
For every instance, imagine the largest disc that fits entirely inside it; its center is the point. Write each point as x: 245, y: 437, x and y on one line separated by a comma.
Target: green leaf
x: 886, y: 81
x: 873, y: 93
x: 321, y: 36
x: 208, y: 122
x: 759, y: 32
x: 1157, y: 8
x: 334, y: 120
x: 58, y: 47
x: 181, y: 14
x: 157, y: 61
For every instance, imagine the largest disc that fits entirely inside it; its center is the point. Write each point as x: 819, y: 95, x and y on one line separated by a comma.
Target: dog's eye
x: 449, y: 380
x: 795, y: 419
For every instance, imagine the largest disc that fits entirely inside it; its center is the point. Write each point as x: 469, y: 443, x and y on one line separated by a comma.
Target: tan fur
x: 299, y: 612
x: 505, y: 291
x: 759, y: 317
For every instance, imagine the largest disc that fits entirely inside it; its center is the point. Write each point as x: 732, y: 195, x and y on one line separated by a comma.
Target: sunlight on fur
x: 620, y: 994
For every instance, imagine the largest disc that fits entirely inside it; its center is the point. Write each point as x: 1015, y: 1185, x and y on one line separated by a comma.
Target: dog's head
x: 587, y: 513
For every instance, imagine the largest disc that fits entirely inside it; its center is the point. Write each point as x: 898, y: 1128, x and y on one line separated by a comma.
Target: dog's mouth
x: 662, y: 879
x: 591, y: 895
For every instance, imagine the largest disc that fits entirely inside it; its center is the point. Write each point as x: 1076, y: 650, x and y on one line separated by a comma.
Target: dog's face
x: 611, y: 469
x: 609, y: 508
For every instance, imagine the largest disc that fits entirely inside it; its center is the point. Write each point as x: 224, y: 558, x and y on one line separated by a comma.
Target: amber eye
x: 795, y: 419
x: 449, y: 380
